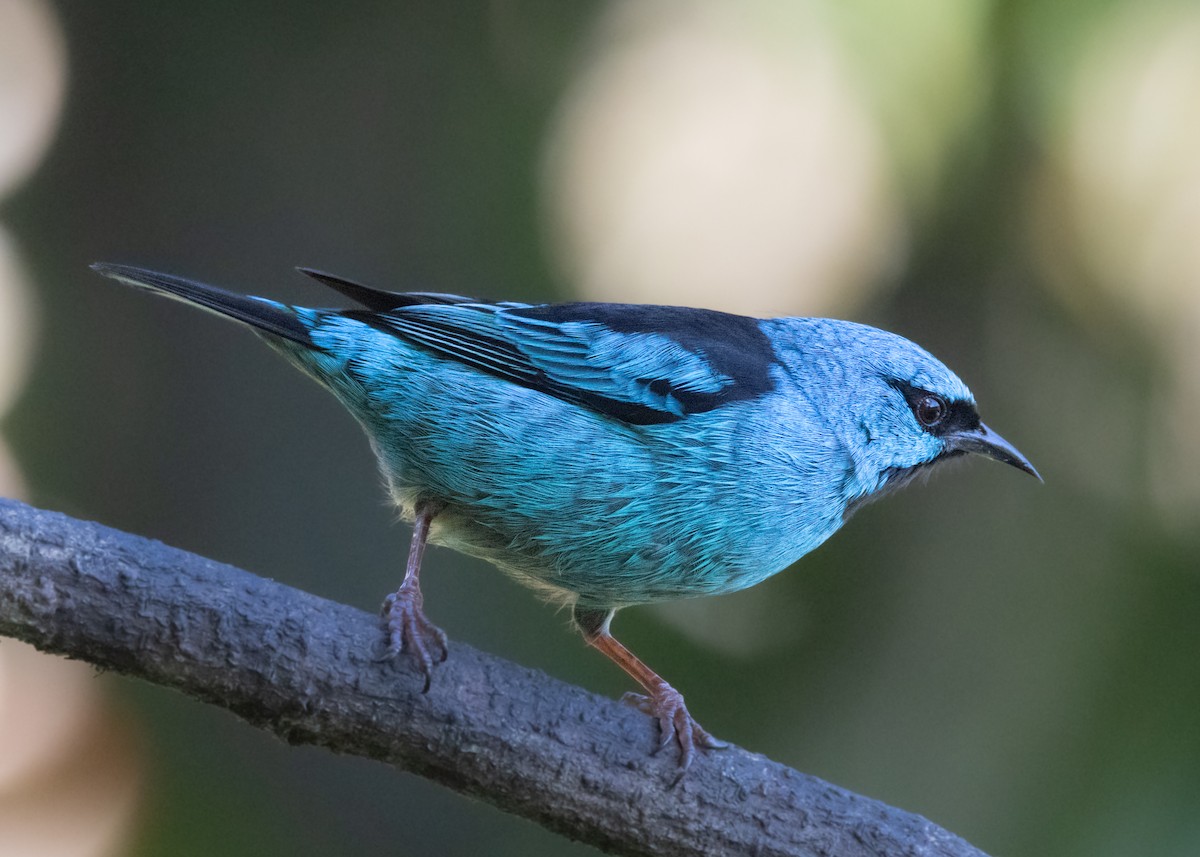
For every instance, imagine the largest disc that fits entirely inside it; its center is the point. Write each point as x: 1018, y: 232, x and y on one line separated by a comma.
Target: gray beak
x: 984, y: 441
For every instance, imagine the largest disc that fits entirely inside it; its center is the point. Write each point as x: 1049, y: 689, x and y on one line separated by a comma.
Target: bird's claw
x: 409, y: 630
x: 674, y: 723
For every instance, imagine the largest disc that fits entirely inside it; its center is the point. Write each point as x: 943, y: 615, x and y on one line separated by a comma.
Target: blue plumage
x: 611, y: 455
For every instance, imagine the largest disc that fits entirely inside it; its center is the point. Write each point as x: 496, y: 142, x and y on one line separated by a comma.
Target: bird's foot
x: 409, y: 630
x: 665, y: 704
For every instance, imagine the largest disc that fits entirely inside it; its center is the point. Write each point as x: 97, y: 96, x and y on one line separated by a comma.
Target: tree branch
x: 307, y: 669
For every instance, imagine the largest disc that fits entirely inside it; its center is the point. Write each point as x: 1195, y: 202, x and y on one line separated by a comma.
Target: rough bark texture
x: 307, y: 670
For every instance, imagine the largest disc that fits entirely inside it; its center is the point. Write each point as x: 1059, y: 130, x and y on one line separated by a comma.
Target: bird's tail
x: 266, y: 315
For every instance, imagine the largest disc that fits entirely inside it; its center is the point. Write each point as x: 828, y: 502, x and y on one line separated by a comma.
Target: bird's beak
x: 984, y: 441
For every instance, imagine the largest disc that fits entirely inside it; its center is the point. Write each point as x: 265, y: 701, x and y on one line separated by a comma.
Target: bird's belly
x: 586, y: 509
x: 601, y: 538
x: 605, y: 554
x: 595, y: 522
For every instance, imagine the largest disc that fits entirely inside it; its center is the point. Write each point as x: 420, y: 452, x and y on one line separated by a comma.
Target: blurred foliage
x: 1015, y: 662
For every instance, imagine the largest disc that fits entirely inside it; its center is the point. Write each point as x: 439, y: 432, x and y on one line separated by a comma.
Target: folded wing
x: 639, y: 364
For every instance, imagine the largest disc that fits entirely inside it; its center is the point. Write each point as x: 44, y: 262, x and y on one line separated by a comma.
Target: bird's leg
x: 662, y: 702
x: 408, y: 629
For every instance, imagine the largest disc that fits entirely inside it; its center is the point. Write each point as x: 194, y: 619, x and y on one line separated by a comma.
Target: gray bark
x: 308, y: 670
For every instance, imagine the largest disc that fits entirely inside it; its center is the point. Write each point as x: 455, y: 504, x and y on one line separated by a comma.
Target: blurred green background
x: 1016, y: 186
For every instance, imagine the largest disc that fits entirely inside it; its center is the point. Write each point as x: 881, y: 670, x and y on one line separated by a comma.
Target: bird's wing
x: 638, y: 364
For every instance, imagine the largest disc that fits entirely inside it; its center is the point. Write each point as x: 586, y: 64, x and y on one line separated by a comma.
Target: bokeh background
x: 1015, y: 185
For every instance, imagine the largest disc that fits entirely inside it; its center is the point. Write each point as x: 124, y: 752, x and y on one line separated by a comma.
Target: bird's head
x: 941, y: 423
x: 897, y: 409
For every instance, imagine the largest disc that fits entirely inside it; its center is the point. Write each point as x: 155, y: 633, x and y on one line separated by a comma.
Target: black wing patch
x: 639, y: 364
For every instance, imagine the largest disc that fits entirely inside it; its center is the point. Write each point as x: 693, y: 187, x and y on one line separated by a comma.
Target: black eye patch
x: 935, y: 413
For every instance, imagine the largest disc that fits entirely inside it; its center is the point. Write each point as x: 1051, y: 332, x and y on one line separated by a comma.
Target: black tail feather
x: 263, y: 315
x: 379, y: 300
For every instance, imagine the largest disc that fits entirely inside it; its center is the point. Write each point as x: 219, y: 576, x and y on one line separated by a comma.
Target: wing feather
x: 640, y: 365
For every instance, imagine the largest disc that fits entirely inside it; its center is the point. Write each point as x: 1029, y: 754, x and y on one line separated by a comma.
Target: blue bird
x: 614, y: 454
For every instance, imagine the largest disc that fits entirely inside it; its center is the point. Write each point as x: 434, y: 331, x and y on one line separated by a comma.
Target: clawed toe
x: 410, y: 631
x: 664, y: 703
x: 674, y: 723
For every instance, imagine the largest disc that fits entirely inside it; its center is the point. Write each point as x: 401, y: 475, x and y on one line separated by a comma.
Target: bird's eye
x: 930, y: 410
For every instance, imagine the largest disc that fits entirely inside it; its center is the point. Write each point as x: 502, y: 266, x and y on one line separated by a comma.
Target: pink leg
x: 408, y: 629
x: 662, y: 702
